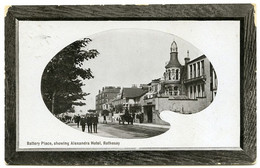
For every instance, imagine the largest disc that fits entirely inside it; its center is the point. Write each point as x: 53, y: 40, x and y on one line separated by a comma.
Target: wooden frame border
x: 242, y: 12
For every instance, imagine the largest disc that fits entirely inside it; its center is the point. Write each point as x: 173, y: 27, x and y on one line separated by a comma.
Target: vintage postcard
x: 128, y: 85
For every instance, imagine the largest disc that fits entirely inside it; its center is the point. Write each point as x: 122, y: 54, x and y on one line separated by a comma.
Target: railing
x: 202, y: 77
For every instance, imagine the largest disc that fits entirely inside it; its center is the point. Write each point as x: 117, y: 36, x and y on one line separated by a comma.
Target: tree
x: 105, y: 113
x: 63, y: 77
x: 91, y: 111
x: 119, y: 108
x: 135, y: 108
x: 72, y: 109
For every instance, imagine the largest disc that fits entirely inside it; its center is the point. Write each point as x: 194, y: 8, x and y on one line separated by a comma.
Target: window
x: 194, y: 67
x: 190, y: 92
x: 170, y: 91
x: 177, y: 74
x: 215, y: 80
x: 198, y: 90
x: 175, y: 90
x: 158, y: 87
x: 169, y: 72
x: 195, y: 92
x: 198, y: 68
x: 190, y: 71
x: 203, y: 90
x: 211, y: 77
x: 202, y: 67
x: 155, y: 88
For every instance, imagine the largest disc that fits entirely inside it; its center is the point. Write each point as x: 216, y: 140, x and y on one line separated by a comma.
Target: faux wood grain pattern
x: 132, y: 158
x: 10, y: 87
x: 138, y: 12
x: 244, y: 13
x: 248, y: 87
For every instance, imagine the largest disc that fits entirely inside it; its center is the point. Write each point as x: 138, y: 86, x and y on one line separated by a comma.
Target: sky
x: 130, y: 56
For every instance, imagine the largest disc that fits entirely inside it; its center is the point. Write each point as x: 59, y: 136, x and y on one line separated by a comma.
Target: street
x: 114, y: 130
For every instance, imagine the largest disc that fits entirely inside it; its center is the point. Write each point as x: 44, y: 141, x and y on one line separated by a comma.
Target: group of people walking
x: 91, y: 120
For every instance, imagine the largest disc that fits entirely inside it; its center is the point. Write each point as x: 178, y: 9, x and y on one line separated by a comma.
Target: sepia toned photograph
x: 81, y: 89
x: 101, y: 86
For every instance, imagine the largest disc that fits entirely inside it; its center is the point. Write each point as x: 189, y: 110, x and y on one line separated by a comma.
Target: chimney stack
x: 187, y: 59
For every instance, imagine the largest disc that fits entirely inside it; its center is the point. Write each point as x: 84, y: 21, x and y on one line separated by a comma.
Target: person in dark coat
x: 89, y: 122
x: 105, y: 119
x: 77, y: 120
x: 83, y: 123
x: 141, y: 117
x: 95, y: 122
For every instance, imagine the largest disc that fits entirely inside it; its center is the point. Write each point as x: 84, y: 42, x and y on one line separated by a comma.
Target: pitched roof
x: 133, y: 92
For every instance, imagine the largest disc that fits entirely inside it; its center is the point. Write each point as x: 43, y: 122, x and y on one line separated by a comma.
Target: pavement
x: 137, y: 130
x: 100, y: 132
x: 153, y: 125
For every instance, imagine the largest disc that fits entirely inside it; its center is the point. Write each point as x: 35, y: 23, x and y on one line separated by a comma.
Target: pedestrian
x: 77, y: 120
x: 141, y: 117
x: 83, y: 123
x: 133, y: 115
x: 113, y: 119
x: 89, y: 123
x: 105, y: 119
x: 95, y: 122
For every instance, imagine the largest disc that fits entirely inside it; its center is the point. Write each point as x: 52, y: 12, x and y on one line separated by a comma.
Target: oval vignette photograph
x: 117, y: 83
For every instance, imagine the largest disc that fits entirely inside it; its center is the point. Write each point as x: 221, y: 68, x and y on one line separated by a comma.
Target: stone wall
x: 188, y: 106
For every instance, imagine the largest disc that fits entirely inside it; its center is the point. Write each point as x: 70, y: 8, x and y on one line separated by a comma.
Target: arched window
x: 173, y: 74
x: 169, y: 74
